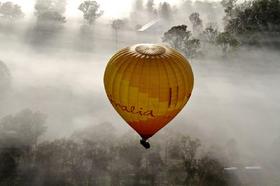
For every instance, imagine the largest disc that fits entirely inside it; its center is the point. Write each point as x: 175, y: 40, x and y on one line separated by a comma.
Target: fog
x: 235, y: 98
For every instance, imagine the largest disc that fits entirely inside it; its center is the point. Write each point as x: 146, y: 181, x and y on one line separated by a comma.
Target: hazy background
x: 235, y: 98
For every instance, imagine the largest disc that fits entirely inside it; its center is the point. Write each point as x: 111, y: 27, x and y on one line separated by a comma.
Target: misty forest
x: 57, y: 127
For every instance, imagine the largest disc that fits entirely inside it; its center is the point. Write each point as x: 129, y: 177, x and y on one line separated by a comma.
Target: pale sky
x: 112, y: 8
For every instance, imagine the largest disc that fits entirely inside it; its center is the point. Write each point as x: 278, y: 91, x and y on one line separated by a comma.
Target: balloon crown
x: 150, y: 49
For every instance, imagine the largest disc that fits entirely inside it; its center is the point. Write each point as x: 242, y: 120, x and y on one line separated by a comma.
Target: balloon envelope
x: 148, y: 85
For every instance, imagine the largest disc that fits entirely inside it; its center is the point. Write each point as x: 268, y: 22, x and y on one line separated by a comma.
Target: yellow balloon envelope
x: 148, y: 85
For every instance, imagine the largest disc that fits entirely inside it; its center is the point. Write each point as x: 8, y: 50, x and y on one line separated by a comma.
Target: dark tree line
x: 253, y: 22
x: 97, y: 156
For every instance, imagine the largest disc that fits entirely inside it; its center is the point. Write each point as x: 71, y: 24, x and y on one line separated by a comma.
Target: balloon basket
x: 145, y: 144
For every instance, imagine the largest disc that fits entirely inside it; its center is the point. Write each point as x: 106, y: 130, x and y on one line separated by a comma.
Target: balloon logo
x: 148, y: 85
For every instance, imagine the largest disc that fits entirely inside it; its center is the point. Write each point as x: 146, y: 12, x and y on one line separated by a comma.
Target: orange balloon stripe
x: 148, y: 128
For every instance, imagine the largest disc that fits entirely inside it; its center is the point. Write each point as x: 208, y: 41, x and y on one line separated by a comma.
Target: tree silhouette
x: 254, y: 16
x: 26, y: 126
x: 117, y: 24
x: 229, y: 8
x: 227, y: 42
x: 210, y: 34
x: 151, y: 10
x: 19, y: 135
x: 87, y: 158
x: 181, y: 39
x: 165, y: 11
x: 196, y: 22
x: 201, y: 169
x: 50, y: 11
x: 91, y: 11
x: 9, y: 164
x: 10, y: 11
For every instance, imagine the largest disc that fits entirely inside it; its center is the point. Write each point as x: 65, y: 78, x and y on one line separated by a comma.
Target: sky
x: 112, y: 8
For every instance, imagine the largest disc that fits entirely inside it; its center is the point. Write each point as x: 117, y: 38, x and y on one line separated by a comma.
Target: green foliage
x: 253, y: 16
x: 176, y: 35
x: 229, y: 6
x: 181, y: 39
x: 91, y: 11
x: 227, y: 42
x: 11, y: 11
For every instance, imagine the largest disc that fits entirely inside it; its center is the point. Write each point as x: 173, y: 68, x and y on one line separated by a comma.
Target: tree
x: 208, y: 39
x: 165, y: 11
x: 26, y: 127
x: 9, y: 165
x: 91, y: 11
x: 19, y: 134
x: 210, y: 34
x: 227, y: 42
x: 204, y: 170
x: 50, y: 11
x: 152, y: 12
x: 211, y: 172
x: 5, y: 78
x: 10, y: 11
x: 190, y: 163
x: 196, y: 22
x: 50, y: 20
x: 181, y: 39
x: 53, y: 17
x: 189, y: 149
x: 229, y: 8
x: 50, y: 5
x: 153, y: 165
x: 117, y: 24
x: 59, y: 159
x: 133, y: 155
x: 255, y: 16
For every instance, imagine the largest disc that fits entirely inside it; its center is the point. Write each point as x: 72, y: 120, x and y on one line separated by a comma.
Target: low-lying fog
x: 234, y: 97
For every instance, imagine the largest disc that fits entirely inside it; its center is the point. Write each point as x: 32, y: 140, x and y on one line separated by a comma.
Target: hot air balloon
x: 148, y: 85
